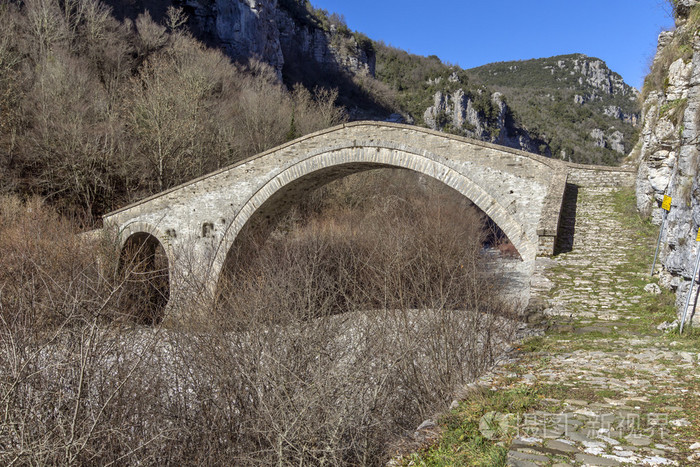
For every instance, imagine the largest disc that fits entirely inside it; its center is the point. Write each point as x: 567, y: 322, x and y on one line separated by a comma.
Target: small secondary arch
x: 145, y: 269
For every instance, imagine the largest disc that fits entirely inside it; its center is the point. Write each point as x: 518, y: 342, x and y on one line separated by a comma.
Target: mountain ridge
x: 316, y: 48
x: 589, y: 104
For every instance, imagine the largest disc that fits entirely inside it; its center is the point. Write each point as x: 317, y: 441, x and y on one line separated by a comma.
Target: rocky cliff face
x: 456, y: 112
x: 597, y: 75
x: 272, y: 31
x: 273, y: 34
x: 668, y: 157
x: 329, y: 49
x: 242, y: 28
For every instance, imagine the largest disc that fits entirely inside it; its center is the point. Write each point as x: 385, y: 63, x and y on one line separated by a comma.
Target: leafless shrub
x: 151, y: 35
x: 327, y: 348
x: 313, y: 112
x: 45, y: 25
x: 362, y: 322
x: 384, y: 94
x: 49, y: 276
x: 42, y: 266
x: 67, y: 373
x: 97, y: 113
x: 175, y: 17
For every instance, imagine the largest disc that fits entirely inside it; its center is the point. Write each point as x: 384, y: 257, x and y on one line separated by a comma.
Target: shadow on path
x: 567, y: 221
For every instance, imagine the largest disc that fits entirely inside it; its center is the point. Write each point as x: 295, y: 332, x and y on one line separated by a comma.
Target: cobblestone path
x: 612, y: 389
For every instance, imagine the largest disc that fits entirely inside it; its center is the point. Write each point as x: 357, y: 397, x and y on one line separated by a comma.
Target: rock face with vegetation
x: 668, y: 154
x: 456, y: 112
x: 580, y: 109
x: 533, y: 105
x: 97, y: 112
x: 302, y: 44
x: 572, y: 107
x: 101, y: 106
x: 275, y: 32
x: 430, y: 93
x: 278, y: 32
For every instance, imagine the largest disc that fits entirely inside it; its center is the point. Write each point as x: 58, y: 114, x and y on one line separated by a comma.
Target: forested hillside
x: 570, y: 107
x: 431, y: 93
x: 582, y: 109
x: 98, y: 112
x: 102, y: 105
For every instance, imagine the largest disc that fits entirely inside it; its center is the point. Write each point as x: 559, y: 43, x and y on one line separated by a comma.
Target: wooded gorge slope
x: 583, y: 110
x: 104, y: 104
x: 98, y: 112
x: 571, y: 106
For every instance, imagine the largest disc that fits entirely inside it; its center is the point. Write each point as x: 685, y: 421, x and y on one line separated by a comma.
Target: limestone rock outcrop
x: 455, y: 109
x: 581, y: 108
x: 325, y: 48
x: 683, y: 7
x: 598, y: 137
x: 242, y: 28
x: 616, y: 112
x: 669, y: 157
x: 613, y: 140
x: 265, y: 30
x: 598, y: 75
x: 456, y: 112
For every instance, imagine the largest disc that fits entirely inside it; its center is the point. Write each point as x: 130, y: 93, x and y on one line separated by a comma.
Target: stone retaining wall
x: 584, y: 176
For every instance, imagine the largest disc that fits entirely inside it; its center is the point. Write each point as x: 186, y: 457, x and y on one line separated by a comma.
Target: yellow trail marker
x: 666, y: 204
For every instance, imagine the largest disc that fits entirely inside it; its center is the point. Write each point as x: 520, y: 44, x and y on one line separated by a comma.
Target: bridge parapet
x: 548, y: 228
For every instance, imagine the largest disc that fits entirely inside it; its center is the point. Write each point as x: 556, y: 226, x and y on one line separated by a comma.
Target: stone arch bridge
x: 196, y: 223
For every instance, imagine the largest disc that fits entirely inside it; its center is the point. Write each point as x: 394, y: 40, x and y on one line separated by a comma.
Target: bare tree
x: 45, y: 25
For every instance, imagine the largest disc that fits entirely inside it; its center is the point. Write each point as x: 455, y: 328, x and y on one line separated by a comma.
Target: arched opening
x: 326, y: 165
x: 143, y: 265
x: 334, y: 241
x: 371, y: 284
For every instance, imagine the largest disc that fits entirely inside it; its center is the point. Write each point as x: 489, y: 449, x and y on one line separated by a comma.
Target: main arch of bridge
x: 198, y: 222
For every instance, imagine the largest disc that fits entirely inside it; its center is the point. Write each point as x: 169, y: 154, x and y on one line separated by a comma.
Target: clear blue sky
x: 470, y: 33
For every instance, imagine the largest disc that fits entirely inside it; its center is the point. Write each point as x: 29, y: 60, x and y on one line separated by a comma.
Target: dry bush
x: 170, y: 113
x: 313, y: 112
x: 410, y: 244
x: 45, y: 26
x: 67, y: 373
x: 381, y: 92
x: 358, y: 322
x: 51, y: 276
x: 42, y: 268
x: 356, y: 327
x: 334, y: 390
x: 98, y: 113
x: 71, y: 144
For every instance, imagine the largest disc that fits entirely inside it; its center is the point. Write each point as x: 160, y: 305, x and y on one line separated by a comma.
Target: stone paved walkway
x: 613, y: 390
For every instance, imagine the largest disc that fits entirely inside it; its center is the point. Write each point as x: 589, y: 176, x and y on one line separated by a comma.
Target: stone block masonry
x: 585, y: 176
x: 198, y: 222
x: 615, y: 394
